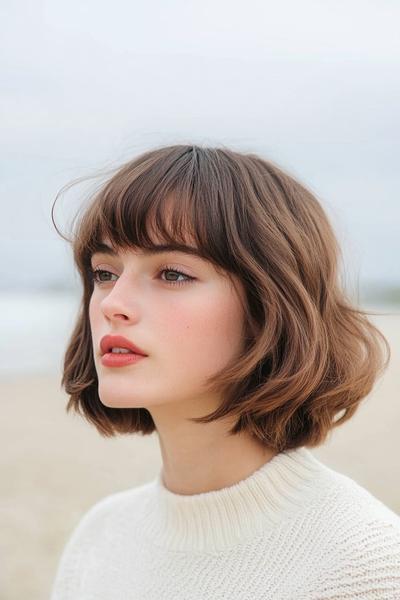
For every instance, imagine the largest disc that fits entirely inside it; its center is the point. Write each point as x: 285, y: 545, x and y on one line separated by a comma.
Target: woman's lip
x: 114, y: 359
x: 110, y: 341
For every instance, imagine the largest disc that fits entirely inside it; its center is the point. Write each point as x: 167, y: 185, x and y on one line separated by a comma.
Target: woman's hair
x: 309, y: 354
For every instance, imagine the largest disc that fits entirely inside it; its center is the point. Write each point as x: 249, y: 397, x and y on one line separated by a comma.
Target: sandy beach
x: 55, y: 466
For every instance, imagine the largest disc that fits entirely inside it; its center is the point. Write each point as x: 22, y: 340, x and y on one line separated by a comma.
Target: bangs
x: 172, y: 199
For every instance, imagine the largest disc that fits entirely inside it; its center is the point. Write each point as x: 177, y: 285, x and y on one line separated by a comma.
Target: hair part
x: 309, y: 355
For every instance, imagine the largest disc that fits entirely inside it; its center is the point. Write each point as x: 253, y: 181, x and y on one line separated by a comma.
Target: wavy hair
x: 310, y: 355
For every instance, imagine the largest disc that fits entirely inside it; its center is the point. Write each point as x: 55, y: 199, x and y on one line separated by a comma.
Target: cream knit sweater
x: 294, y: 529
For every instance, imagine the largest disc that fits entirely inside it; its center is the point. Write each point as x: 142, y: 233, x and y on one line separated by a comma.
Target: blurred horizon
x: 368, y: 293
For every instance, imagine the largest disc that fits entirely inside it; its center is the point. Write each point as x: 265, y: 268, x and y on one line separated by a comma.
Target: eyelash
x: 94, y: 272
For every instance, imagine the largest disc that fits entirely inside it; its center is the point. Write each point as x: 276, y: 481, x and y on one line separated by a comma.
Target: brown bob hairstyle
x: 310, y: 356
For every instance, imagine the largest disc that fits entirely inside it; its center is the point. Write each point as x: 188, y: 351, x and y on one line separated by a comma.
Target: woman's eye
x: 179, y: 273
x: 97, y: 276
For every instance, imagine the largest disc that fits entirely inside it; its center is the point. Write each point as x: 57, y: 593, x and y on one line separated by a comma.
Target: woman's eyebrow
x: 175, y: 247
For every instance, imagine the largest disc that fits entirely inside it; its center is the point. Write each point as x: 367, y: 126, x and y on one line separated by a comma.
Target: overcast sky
x: 314, y: 86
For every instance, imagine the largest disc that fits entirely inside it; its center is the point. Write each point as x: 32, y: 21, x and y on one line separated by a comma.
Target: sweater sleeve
x: 366, y: 565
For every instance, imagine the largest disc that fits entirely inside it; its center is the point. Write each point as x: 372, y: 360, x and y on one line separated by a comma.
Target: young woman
x: 212, y: 315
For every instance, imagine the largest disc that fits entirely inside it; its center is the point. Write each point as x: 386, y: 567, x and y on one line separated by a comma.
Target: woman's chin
x: 114, y: 397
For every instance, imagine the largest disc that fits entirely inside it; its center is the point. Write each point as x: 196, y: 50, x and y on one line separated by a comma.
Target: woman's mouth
x: 120, y: 359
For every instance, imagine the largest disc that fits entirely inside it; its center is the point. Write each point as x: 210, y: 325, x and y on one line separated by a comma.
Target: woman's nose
x: 121, y: 302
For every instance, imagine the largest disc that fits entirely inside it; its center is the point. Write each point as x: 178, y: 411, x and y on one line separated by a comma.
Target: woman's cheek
x: 205, y: 332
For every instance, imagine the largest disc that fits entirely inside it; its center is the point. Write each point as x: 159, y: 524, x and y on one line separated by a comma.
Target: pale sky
x: 314, y: 86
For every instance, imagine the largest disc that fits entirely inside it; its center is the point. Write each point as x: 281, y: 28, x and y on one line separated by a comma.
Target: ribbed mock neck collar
x: 217, y: 520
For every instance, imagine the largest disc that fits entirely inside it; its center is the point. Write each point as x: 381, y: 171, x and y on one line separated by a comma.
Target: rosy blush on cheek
x: 205, y: 333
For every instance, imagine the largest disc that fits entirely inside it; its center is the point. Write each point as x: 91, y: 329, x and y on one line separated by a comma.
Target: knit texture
x: 294, y: 529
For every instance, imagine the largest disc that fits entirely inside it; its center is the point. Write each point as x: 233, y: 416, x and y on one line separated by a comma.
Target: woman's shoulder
x: 343, y: 505
x: 102, y: 515
x: 95, y: 529
x: 352, y: 501
x: 361, y: 550
x: 112, y: 504
x: 365, y: 525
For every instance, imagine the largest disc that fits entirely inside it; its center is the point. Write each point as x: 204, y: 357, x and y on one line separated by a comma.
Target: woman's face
x: 189, y: 329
